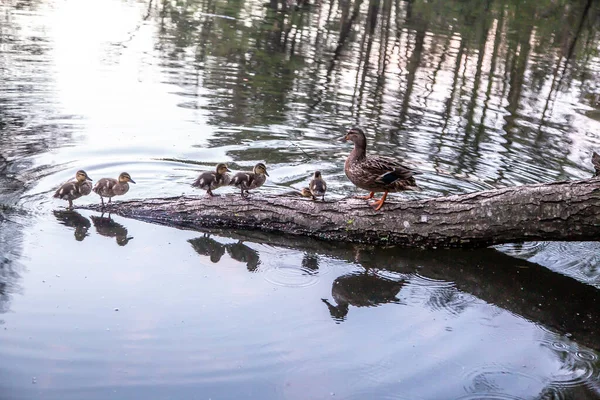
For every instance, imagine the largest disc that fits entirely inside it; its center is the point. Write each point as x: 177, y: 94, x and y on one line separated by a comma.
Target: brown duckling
x: 210, y: 180
x: 375, y: 173
x: 109, y: 187
x: 317, y: 186
x: 74, y: 189
x: 305, y: 192
x: 250, y: 180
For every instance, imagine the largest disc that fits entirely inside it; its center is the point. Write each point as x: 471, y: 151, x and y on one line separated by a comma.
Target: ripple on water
x: 293, y: 269
x: 577, y: 368
x: 440, y: 295
x: 491, y: 381
x: 490, y: 396
x: 522, y: 250
x: 289, y: 275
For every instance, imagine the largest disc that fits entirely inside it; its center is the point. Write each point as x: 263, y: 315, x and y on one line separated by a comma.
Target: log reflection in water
x: 105, y: 226
x: 73, y: 219
x: 361, y: 290
x: 558, y: 302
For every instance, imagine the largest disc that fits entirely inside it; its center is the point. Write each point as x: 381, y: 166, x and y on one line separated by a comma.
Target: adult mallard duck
x: 317, y: 186
x: 74, y: 189
x: 250, y: 180
x: 109, y: 187
x: 375, y: 173
x: 210, y: 180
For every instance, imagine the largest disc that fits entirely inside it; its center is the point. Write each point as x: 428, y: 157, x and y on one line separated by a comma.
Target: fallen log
x: 565, y: 211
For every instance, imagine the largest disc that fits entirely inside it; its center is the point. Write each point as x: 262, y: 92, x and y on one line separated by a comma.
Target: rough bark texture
x: 552, y: 211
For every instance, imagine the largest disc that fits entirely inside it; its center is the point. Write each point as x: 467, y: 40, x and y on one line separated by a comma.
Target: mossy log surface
x: 565, y: 211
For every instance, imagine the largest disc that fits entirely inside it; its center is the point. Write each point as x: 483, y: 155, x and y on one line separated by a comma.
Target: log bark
x: 565, y: 211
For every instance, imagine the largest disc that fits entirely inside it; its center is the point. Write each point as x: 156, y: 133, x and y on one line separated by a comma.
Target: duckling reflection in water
x: 109, y: 187
x: 363, y: 290
x: 245, y: 254
x: 75, y: 220
x: 310, y: 262
x: 74, y: 189
x: 109, y: 228
x: 250, y: 180
x: 210, y: 180
x: 206, y: 246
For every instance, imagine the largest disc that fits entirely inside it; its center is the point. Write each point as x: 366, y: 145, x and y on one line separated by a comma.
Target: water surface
x: 476, y: 94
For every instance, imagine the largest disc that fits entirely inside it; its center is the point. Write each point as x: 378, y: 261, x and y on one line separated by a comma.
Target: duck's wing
x: 205, y: 179
x: 242, y: 179
x: 388, y: 170
x: 318, y: 186
x: 67, y: 190
x: 105, y: 185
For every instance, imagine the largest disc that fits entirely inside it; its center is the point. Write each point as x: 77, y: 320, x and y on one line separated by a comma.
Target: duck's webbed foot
x: 370, y: 196
x: 379, y: 203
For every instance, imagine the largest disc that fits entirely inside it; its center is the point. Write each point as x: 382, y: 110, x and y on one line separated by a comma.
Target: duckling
x: 375, y: 173
x: 596, y: 163
x: 209, y: 180
x: 109, y: 187
x: 250, y: 180
x: 74, y: 189
x: 317, y: 186
x: 305, y: 192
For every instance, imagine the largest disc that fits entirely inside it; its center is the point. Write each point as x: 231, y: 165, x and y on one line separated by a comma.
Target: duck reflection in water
x: 245, y: 254
x: 73, y: 219
x: 310, y: 263
x: 362, y: 290
x: 105, y: 226
x: 206, y: 246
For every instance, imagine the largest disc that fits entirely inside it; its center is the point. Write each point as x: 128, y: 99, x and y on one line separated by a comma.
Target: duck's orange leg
x: 370, y: 196
x: 379, y: 203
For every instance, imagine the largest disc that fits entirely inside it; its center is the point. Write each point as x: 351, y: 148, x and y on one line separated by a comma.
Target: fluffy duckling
x: 250, y: 180
x: 74, y: 189
x: 109, y: 187
x: 375, y: 173
x: 317, y: 186
x: 305, y: 192
x: 210, y: 180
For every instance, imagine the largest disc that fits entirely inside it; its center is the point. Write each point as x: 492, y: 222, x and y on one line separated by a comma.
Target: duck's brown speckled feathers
x: 109, y: 187
x: 375, y: 173
x: 250, y: 180
x: 74, y: 189
x: 210, y: 180
x: 317, y: 186
x: 596, y: 163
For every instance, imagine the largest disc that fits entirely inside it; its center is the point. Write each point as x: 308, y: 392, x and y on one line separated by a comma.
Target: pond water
x: 477, y: 94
